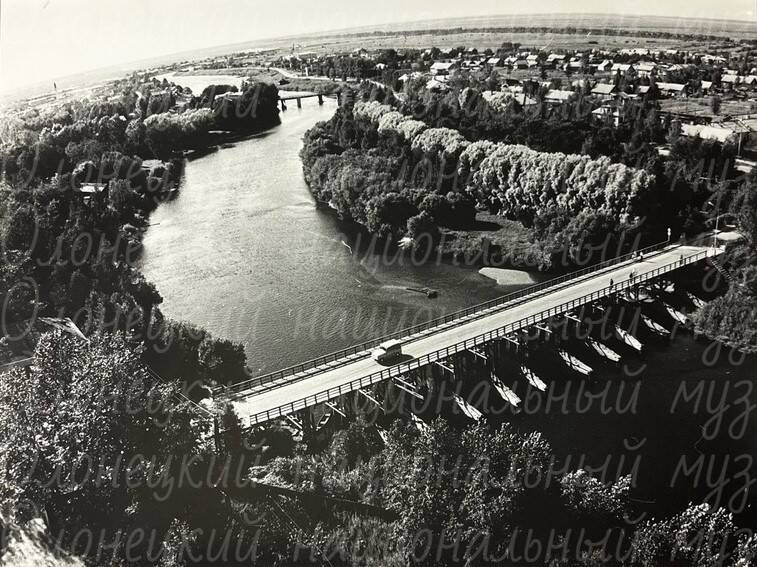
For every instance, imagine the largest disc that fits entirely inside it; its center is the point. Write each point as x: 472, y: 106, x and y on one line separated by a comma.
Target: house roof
x: 443, y: 65
x: 676, y: 87
x: 603, y: 88
x: 91, y: 188
x: 556, y: 95
x: 730, y: 79
x: 434, y: 84
x: 606, y: 110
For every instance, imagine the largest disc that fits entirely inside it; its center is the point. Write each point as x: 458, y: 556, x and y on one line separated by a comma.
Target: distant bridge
x: 324, y: 380
x: 285, y: 96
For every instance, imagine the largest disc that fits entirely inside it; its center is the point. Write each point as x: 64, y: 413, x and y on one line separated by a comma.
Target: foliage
x: 83, y: 429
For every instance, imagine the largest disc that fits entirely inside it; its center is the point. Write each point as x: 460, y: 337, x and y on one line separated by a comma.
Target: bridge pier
x: 299, y: 103
x: 320, y: 99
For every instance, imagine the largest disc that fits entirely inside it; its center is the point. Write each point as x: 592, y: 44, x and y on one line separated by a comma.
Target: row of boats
x: 573, y: 362
x: 598, y: 346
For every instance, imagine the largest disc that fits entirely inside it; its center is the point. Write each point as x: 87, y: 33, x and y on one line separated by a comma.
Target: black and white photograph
x: 405, y: 283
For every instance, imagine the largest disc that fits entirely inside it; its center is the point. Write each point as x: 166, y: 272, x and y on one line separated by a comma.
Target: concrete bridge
x: 325, y: 380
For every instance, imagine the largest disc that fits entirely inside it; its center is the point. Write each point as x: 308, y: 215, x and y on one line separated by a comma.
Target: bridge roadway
x: 318, y: 388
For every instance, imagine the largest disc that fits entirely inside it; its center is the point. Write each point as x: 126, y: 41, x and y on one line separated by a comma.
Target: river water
x: 244, y: 252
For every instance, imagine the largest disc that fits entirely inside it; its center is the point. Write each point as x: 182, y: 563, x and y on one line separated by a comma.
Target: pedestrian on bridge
x: 612, y: 283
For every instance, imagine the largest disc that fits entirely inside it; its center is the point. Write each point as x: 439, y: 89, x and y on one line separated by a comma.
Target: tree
x: 79, y: 424
x: 715, y: 104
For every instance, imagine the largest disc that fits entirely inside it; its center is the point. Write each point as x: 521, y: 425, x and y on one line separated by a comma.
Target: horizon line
x: 355, y: 28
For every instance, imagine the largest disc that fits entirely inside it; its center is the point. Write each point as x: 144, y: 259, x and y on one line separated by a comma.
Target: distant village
x: 713, y: 96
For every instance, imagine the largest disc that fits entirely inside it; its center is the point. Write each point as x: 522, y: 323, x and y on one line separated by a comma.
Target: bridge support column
x: 320, y: 99
x: 299, y: 103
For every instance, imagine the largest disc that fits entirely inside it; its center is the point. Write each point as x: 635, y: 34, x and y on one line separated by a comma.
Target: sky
x: 43, y: 39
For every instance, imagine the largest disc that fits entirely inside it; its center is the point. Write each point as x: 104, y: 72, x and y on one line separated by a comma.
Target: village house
x: 645, y: 69
x: 603, y: 90
x: 435, y: 85
x: 555, y: 96
x: 555, y: 59
x: 671, y: 89
x: 607, y: 113
x: 91, y: 192
x: 604, y: 66
x: 730, y: 80
x: 441, y: 68
x: 574, y: 65
x: 621, y: 68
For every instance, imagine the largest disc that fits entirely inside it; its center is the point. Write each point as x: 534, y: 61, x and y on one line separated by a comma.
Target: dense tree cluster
x: 410, y: 168
x: 731, y: 317
x: 84, y: 433
x: 478, y: 495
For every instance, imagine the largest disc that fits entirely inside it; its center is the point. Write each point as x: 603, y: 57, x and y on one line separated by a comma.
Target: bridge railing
x: 349, y: 354
x: 399, y: 370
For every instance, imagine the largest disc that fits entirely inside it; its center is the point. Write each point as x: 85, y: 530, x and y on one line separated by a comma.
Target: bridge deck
x: 293, y: 95
x: 260, y: 407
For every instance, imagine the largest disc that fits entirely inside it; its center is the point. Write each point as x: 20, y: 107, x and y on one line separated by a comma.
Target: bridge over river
x: 324, y: 380
x: 286, y: 96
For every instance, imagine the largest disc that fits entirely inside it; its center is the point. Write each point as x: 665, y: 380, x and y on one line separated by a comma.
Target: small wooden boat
x: 676, y: 314
x: 655, y: 327
x: 628, y: 338
x: 696, y: 301
x: 507, y: 394
x: 575, y: 363
x: 604, y: 351
x: 469, y: 410
x: 533, y: 379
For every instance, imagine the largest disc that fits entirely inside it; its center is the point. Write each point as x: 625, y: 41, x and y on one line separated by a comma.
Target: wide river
x: 244, y: 253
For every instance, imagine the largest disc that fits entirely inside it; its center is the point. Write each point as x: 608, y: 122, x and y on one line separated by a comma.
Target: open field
x: 483, y: 40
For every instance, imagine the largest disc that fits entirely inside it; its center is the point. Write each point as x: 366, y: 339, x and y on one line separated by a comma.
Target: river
x: 244, y: 252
